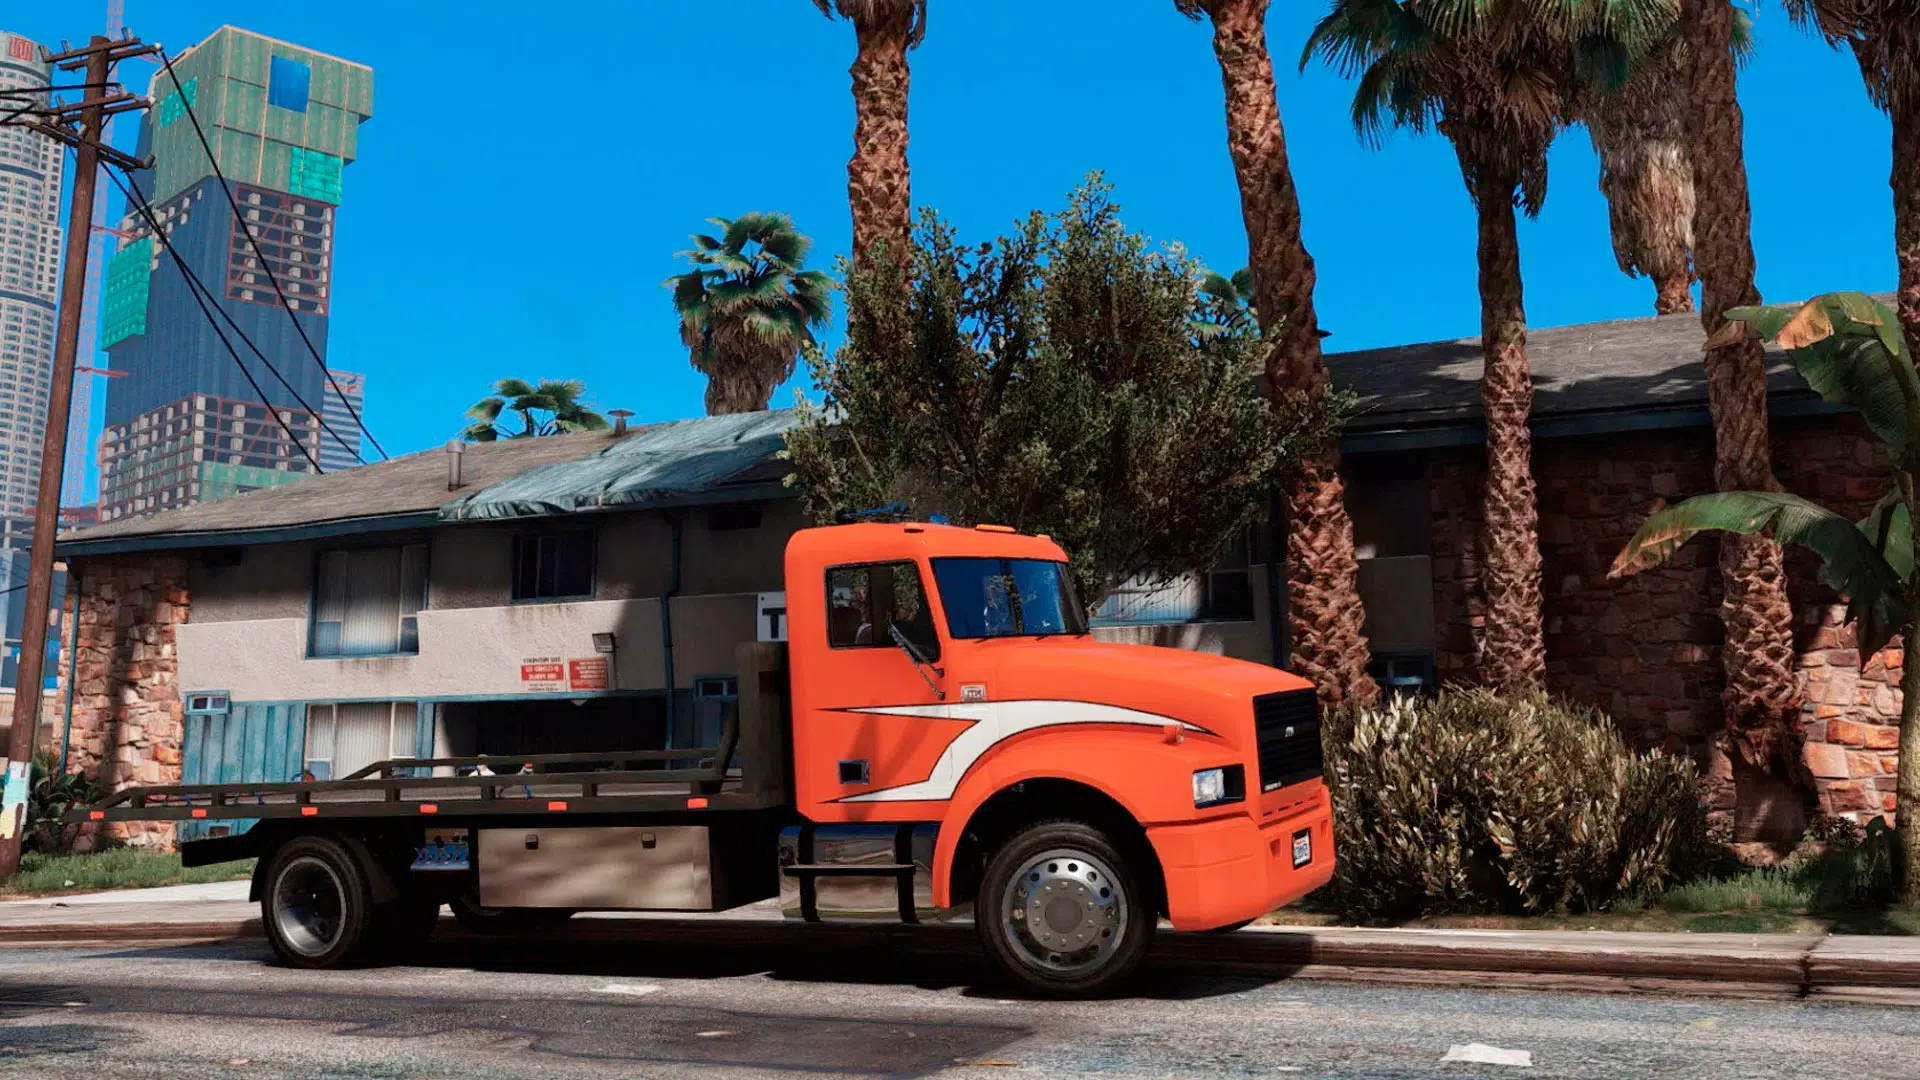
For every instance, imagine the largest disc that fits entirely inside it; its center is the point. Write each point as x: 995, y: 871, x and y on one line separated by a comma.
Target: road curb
x: 1829, y: 969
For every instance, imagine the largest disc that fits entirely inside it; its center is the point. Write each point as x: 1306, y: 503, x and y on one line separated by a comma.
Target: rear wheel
x: 316, y: 905
x: 1064, y: 910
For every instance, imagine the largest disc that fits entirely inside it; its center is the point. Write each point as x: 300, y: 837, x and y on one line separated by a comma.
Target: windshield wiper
x: 920, y: 663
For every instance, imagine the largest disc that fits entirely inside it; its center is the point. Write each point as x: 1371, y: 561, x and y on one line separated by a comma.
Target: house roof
x: 1623, y: 374
x: 709, y: 459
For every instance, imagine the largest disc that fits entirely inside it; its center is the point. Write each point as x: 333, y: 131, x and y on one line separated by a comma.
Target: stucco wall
x: 269, y: 581
x: 468, y: 651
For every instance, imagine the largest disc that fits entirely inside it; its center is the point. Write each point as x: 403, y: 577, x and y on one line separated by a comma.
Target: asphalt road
x: 560, y: 1010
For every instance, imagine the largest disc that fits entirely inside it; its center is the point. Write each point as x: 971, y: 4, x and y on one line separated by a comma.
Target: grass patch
x: 116, y: 868
x: 1764, y: 888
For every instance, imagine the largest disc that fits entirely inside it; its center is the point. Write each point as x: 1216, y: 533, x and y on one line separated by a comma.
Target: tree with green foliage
x: 1054, y: 380
x: 1498, y: 79
x: 748, y: 308
x: 1852, y: 352
x: 554, y: 407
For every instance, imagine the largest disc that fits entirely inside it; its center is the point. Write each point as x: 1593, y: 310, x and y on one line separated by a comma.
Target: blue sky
x: 532, y: 169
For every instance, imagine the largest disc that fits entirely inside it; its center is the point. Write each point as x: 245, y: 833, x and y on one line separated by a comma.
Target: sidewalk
x: 1882, y: 970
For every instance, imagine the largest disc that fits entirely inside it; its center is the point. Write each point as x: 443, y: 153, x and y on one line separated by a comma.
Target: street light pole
x: 101, y: 100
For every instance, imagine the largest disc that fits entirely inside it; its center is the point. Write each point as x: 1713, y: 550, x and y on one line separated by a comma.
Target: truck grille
x: 1288, y: 727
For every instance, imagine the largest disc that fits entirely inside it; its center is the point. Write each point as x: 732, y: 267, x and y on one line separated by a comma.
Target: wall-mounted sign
x: 770, y: 624
x: 543, y: 673
x: 588, y: 674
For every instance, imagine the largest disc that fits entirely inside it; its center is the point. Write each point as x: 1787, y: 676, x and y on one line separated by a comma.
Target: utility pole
x: 81, y: 125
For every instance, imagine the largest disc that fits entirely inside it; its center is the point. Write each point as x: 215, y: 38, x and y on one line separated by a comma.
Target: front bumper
x: 1229, y: 870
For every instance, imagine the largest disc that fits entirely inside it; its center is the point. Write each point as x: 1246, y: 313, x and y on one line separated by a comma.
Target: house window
x: 866, y: 603
x: 1402, y: 673
x: 206, y: 704
x: 367, y: 601
x: 553, y: 565
x: 716, y: 699
x: 343, y: 739
x: 288, y: 82
x: 1229, y: 585
x: 1144, y: 601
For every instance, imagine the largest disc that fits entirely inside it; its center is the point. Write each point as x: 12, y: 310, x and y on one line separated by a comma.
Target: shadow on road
x: 1181, y: 968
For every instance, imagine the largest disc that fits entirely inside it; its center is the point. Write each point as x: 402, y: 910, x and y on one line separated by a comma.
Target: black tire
x: 316, y: 905
x: 475, y: 919
x: 1095, y: 930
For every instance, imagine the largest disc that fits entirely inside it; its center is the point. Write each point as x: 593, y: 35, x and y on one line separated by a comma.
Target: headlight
x: 1214, y: 786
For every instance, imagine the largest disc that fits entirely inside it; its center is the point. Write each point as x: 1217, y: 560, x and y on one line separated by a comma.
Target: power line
x: 226, y: 188
x: 196, y: 288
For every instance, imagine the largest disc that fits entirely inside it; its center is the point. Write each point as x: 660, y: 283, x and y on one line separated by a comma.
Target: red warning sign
x: 544, y: 674
x: 588, y: 674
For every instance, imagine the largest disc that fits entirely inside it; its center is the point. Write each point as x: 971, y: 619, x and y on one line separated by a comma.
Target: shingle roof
x: 659, y: 464
x: 1589, y: 370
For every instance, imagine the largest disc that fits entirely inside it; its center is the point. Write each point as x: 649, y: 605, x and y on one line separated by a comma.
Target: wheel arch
x: 961, y: 854
x: 270, y: 836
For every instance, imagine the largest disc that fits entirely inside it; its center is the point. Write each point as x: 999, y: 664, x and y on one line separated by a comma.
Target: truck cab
x: 1076, y: 789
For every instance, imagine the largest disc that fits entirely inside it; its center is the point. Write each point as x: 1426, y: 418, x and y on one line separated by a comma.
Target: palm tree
x: 1885, y: 38
x: 1230, y: 300
x: 1646, y: 173
x: 1639, y: 131
x: 1324, y: 613
x: 1498, y: 78
x: 747, y: 308
x: 877, y: 179
x: 1759, y: 699
x: 558, y: 399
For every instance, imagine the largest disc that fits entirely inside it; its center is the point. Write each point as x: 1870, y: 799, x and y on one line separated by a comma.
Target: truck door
x: 853, y: 739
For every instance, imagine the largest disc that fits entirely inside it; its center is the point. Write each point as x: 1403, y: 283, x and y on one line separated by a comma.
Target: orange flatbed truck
x: 936, y: 733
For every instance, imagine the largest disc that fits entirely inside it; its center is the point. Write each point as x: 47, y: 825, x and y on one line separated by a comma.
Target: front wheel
x: 1064, y: 910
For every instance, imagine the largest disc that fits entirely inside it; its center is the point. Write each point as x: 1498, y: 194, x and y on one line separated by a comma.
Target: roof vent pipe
x: 456, y: 454
x: 620, y: 420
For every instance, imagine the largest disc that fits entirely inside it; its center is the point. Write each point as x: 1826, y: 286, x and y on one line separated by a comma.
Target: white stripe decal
x: 993, y: 723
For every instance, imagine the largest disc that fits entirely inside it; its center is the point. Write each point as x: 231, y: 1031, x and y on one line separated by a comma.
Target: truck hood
x: 1210, y: 691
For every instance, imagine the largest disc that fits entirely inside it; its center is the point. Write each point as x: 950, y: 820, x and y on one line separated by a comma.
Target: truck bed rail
x: 623, y: 781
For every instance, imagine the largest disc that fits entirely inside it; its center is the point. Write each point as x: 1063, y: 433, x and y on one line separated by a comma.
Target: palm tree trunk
x: 877, y: 178
x: 1323, y: 594
x: 1673, y: 293
x: 1760, y: 701
x: 1513, y: 651
x: 1906, y: 215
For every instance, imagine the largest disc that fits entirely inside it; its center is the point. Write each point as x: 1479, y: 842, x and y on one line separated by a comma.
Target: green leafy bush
x: 1470, y: 802
x: 1856, y: 868
x: 51, y: 794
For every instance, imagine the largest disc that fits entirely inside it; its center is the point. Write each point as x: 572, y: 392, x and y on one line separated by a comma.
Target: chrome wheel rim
x: 309, y: 906
x: 1064, y: 913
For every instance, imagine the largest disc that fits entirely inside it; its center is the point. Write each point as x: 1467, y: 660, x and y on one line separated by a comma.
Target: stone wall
x: 127, y: 710
x: 1647, y: 649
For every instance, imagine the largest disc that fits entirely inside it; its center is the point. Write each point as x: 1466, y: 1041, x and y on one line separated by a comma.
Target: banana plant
x: 1850, y: 350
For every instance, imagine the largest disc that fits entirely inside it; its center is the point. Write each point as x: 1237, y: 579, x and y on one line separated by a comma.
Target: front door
x: 860, y: 737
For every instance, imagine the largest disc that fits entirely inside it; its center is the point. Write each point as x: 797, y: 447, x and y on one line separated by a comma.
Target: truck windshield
x: 1008, y: 598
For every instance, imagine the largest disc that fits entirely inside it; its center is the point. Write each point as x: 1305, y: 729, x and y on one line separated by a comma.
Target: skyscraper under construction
x: 188, y: 422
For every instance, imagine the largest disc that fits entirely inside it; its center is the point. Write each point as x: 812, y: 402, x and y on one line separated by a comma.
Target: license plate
x: 442, y: 850
x: 1302, y: 849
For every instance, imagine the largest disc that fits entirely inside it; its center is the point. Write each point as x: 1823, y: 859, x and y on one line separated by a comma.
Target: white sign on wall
x: 770, y: 620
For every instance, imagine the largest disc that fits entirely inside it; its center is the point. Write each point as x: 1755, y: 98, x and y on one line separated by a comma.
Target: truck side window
x: 864, y: 601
